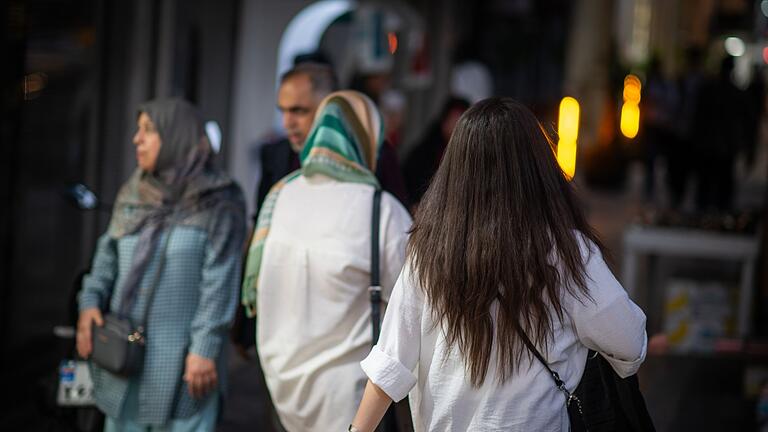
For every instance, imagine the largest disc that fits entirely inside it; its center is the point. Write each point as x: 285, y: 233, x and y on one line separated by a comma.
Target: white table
x: 687, y: 242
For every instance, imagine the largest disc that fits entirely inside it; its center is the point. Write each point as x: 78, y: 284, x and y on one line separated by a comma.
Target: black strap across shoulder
x: 375, y: 288
x: 555, y: 376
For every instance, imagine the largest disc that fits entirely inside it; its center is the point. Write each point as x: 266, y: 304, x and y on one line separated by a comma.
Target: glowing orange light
x: 568, y: 121
x: 568, y: 132
x: 765, y: 54
x: 630, y: 119
x: 630, y: 110
x: 632, y: 80
x: 392, y: 39
x: 632, y: 88
x: 566, y: 157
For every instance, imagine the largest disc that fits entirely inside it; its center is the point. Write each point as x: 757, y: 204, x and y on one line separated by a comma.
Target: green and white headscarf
x: 344, y: 144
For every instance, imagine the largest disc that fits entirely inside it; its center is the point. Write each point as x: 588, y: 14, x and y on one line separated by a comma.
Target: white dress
x: 313, y: 308
x: 410, y: 353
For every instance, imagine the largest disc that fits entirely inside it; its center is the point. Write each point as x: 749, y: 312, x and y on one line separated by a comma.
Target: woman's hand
x: 84, y: 323
x: 200, y: 375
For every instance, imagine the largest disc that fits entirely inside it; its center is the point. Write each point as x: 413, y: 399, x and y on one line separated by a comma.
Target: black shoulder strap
x: 375, y: 288
x: 576, y: 416
x: 555, y: 376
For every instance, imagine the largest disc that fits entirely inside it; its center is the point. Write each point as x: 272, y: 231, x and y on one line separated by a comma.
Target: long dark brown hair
x: 499, y: 222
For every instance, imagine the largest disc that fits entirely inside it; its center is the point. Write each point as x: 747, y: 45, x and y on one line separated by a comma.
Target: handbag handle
x: 375, y: 288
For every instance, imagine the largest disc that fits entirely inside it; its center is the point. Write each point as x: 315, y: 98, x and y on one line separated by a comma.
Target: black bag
x: 609, y: 402
x: 118, y: 345
x: 398, y: 416
x: 602, y: 401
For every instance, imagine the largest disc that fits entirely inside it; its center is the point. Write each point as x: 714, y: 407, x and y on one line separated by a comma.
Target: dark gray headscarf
x: 185, y: 188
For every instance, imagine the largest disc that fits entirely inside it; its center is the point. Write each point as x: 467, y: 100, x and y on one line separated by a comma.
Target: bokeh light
x: 568, y: 132
x: 735, y: 46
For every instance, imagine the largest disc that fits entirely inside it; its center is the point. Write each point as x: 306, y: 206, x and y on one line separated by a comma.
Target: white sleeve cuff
x: 388, y: 374
x: 626, y: 368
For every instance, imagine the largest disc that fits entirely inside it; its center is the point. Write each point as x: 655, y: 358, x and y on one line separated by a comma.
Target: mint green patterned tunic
x: 192, y: 308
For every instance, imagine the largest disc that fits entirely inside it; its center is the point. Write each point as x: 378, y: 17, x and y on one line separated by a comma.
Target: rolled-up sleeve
x: 388, y: 373
x: 391, y: 363
x: 611, y: 323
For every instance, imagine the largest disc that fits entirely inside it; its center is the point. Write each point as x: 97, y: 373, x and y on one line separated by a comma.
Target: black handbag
x: 602, y: 401
x: 118, y: 345
x: 398, y: 416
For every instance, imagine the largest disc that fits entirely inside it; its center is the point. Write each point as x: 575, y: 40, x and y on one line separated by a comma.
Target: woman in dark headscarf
x: 172, y: 251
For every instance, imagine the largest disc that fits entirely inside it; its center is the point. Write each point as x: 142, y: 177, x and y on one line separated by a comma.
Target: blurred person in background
x: 661, y: 104
x: 754, y: 109
x: 393, y: 108
x: 308, y: 268
x: 377, y: 85
x: 424, y: 159
x: 173, y: 250
x: 300, y: 92
x: 679, y: 159
x: 718, y: 137
x: 373, y: 84
x: 500, y: 251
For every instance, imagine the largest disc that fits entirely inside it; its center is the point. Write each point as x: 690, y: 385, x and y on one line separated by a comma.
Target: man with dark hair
x: 301, y: 90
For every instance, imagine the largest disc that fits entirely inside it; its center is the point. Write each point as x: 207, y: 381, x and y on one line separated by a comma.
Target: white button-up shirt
x: 412, y: 356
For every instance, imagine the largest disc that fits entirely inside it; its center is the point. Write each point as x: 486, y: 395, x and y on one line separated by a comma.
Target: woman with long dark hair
x: 500, y: 250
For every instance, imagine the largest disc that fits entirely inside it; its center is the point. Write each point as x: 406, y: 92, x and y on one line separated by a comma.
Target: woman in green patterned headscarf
x: 343, y: 144
x: 308, y: 267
